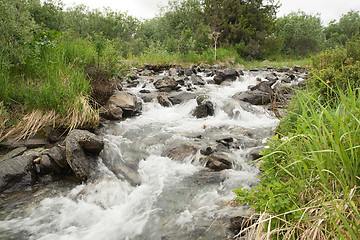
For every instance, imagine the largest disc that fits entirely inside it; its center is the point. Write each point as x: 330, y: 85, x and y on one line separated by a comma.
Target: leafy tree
x: 49, y: 14
x: 16, y: 27
x: 343, y: 30
x: 251, y: 22
x: 301, y: 33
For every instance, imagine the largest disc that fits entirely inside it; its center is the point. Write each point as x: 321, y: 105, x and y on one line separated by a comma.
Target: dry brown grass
x: 80, y: 114
x: 319, y: 221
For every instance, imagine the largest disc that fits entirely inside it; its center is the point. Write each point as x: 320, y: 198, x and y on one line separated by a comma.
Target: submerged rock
x: 181, y: 152
x: 180, y: 97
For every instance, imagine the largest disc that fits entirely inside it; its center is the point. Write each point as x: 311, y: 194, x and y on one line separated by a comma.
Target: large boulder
x: 82, y: 148
x: 166, y: 84
x: 121, y: 105
x: 255, y: 97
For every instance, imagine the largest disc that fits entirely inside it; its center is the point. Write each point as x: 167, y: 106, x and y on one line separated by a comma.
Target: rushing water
x: 176, y: 199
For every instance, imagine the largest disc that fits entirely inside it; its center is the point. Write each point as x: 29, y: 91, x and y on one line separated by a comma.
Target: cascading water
x: 140, y: 193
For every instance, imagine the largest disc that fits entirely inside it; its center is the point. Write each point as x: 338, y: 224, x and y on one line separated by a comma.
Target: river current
x: 176, y: 199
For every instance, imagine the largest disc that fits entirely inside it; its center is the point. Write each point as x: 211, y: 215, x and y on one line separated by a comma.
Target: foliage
x: 16, y: 30
x: 336, y: 70
x: 301, y: 33
x: 310, y: 180
x: 338, y: 33
x: 248, y: 22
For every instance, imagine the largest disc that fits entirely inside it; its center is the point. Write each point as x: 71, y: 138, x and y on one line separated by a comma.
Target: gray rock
x: 218, y: 161
x: 180, y: 97
x: 189, y: 72
x: 204, y: 110
x: 181, y: 152
x: 196, y: 80
x: 163, y: 100
x: 14, y: 153
x: 166, y: 84
x: 173, y: 72
x: 47, y: 165
x: 264, y: 87
x: 147, y: 97
x: 78, y: 161
x: 58, y: 154
x: 91, y: 143
x: 121, y: 105
x: 13, y: 170
x: 33, y: 142
x: 219, y: 78
x: 256, y: 97
x: 201, y: 99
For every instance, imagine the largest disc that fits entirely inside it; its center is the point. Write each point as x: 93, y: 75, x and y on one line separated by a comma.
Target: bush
x: 336, y: 70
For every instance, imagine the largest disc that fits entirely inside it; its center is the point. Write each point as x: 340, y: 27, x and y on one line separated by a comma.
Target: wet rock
x: 147, y: 97
x: 219, y: 161
x: 219, y: 78
x: 196, y: 80
x: 77, y: 157
x: 167, y: 84
x: 256, y: 97
x: 204, y: 110
x: 280, y: 88
x: 181, y: 81
x: 121, y: 105
x: 230, y: 74
x: 264, y: 86
x: 296, y: 68
x: 14, y: 153
x: 180, y: 97
x: 254, y: 153
x: 144, y: 91
x: 14, y: 170
x: 47, y: 165
x: 91, y: 143
x: 182, y: 152
x: 33, y: 142
x: 208, y: 151
x: 173, y: 72
x: 132, y: 77
x: 240, y: 223
x: 202, y: 98
x: 58, y: 154
x: 189, y: 72
x: 163, y: 100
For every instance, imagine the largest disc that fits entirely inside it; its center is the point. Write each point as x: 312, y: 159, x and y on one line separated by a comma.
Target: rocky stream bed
x: 172, y: 145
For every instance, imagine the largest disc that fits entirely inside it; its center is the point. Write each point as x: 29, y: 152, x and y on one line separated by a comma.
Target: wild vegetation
x: 309, y: 187
x: 310, y: 182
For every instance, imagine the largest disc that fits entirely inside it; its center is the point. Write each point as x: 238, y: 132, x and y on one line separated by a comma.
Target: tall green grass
x: 314, y: 165
x: 51, y: 79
